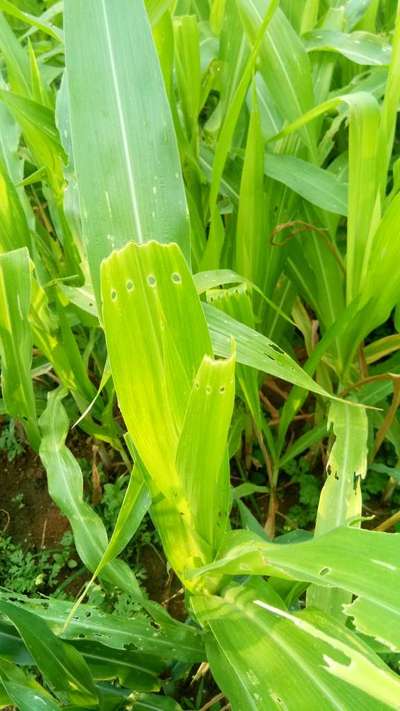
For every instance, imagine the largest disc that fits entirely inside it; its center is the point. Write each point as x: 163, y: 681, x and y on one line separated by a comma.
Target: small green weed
x: 28, y: 571
x: 9, y: 441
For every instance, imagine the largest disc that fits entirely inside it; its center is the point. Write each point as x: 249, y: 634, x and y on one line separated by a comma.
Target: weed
x: 9, y: 441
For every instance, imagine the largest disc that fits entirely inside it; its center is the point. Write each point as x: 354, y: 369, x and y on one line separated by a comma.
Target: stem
x: 388, y: 421
x: 389, y: 523
x: 273, y: 506
x: 365, y: 381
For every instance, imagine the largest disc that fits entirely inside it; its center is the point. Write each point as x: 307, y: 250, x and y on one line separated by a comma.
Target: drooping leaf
x: 372, y: 573
x: 166, y: 640
x: 364, y: 199
x: 254, y: 349
x: 359, y: 47
x: 65, y: 483
x: 320, y: 187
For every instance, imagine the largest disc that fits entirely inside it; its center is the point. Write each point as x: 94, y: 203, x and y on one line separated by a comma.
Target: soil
x: 30, y: 518
x: 162, y: 586
x: 27, y: 513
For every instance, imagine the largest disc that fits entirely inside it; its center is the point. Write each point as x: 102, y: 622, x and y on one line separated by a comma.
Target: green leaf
x: 65, y: 483
x: 201, y: 458
x: 254, y: 642
x: 133, y: 509
x: 255, y: 350
x: 53, y: 336
x: 16, y: 59
x: 187, y: 68
x: 156, y: 9
x: 132, y: 668
x: 14, y: 231
x: 355, y: 10
x: 250, y: 247
x: 40, y: 24
x: 359, y: 47
x: 41, y: 135
x: 23, y: 691
x: 216, y: 277
x: 153, y: 376
x: 380, y: 293
x: 284, y: 65
x: 228, y: 128
x: 372, y: 572
x: 133, y: 149
x: 62, y: 666
x: 135, y: 505
x: 168, y: 639
x: 364, y: 200
x: 340, y: 502
x: 236, y: 302
x: 320, y: 187
x: 390, y: 105
x: 16, y: 340
x: 153, y: 702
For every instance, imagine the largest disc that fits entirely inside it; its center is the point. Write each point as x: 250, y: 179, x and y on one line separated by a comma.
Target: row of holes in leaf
x: 151, y: 281
x: 208, y: 388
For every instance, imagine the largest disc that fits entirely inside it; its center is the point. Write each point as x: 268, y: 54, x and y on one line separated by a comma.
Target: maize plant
x: 199, y: 239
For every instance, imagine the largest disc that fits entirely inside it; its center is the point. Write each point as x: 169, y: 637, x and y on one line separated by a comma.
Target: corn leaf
x: 227, y: 130
x: 187, y: 66
x: 201, y: 458
x: 167, y: 640
x: 16, y: 59
x: 359, y: 47
x: 364, y: 204
x: 135, y: 504
x: 61, y: 664
x: 133, y: 149
x: 340, y: 501
x: 255, y: 350
x: 253, y: 643
x: 23, y: 692
x: 373, y: 574
x: 320, y: 187
x: 16, y: 340
x: 65, y: 482
x: 250, y: 249
x: 153, y: 377
x: 237, y: 303
x: 284, y: 65
x: 41, y: 135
